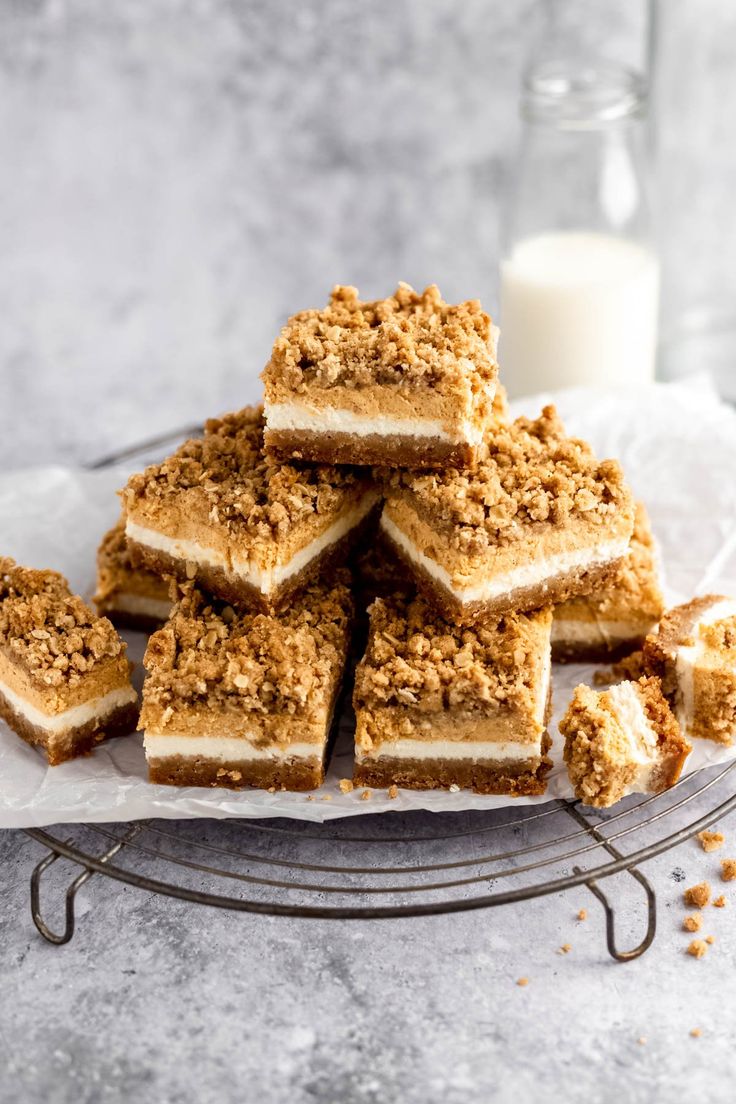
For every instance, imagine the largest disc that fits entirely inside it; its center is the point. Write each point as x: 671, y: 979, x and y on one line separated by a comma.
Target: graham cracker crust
x: 570, y: 584
x: 76, y: 741
x: 389, y: 451
x: 177, y: 770
x: 483, y: 777
x: 218, y: 582
x: 601, y: 652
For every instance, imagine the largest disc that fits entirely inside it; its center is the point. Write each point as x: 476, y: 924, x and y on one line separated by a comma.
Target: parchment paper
x: 678, y: 446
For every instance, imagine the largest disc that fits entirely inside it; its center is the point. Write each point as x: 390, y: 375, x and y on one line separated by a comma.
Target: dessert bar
x: 694, y: 653
x: 613, y: 621
x: 438, y: 706
x: 403, y: 381
x: 64, y: 676
x: 131, y: 596
x: 245, y: 699
x: 539, y: 520
x: 251, y: 530
x: 622, y: 741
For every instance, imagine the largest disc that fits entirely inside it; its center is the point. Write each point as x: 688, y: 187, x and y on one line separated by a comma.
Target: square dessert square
x: 538, y: 521
x: 130, y: 596
x: 251, y: 530
x: 245, y: 699
x: 403, y: 381
x: 694, y: 653
x: 64, y: 676
x: 622, y: 741
x: 615, y: 620
x: 437, y: 706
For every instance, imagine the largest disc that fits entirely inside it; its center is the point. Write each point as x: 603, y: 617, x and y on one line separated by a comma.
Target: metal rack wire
x: 389, y: 866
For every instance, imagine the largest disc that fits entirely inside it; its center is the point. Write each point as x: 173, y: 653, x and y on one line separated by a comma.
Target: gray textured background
x: 177, y: 176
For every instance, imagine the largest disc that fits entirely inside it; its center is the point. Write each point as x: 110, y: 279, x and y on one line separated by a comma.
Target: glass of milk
x: 579, y: 275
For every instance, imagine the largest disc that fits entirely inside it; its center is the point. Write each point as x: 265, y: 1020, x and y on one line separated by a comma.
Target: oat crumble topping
x: 531, y: 474
x: 207, y: 653
x: 229, y: 476
x: 408, y: 340
x: 697, y: 896
x: 711, y: 841
x: 728, y: 870
x: 413, y: 657
x: 49, y: 630
x: 720, y: 902
x: 697, y: 948
x: 693, y: 923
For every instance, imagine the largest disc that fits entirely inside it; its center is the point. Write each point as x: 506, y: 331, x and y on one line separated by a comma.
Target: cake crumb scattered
x: 696, y: 1032
x: 583, y: 914
x: 720, y: 902
x: 454, y: 788
x: 346, y: 785
x: 698, y: 896
x: 393, y: 791
x: 697, y: 948
x: 710, y: 939
x: 711, y: 841
x: 728, y: 870
x: 693, y: 923
x: 327, y: 797
x: 309, y: 797
x: 522, y: 981
x: 366, y: 795
x: 565, y: 948
x: 642, y: 1040
x: 272, y: 789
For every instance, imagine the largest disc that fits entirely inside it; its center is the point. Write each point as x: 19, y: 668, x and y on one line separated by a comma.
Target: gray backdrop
x: 177, y: 176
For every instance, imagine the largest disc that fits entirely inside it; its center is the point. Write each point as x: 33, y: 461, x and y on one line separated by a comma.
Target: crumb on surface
x: 393, y: 791
x: 346, y: 785
x: 565, y: 948
x: 454, y: 788
x: 522, y: 981
x: 309, y: 797
x: 327, y: 797
x: 642, y: 1040
x: 711, y: 841
x: 728, y: 870
x: 272, y: 789
x: 710, y: 939
x: 697, y: 948
x: 693, y: 923
x: 698, y: 896
x: 366, y: 795
x: 583, y: 914
x: 719, y: 902
x: 696, y: 1032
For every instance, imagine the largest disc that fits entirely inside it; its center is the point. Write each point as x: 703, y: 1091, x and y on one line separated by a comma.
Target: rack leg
x: 59, y: 938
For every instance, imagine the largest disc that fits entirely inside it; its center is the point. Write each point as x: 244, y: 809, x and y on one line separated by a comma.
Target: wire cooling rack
x: 387, y: 865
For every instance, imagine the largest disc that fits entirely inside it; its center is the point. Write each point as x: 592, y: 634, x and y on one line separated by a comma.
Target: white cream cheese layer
x: 140, y: 606
x: 692, y: 656
x: 263, y: 579
x: 641, y: 736
x: 224, y: 749
x: 78, y: 715
x: 573, y: 631
x: 503, y: 583
x: 288, y: 416
x: 470, y: 750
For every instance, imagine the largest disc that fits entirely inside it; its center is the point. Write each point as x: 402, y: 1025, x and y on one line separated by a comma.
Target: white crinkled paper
x: 677, y: 444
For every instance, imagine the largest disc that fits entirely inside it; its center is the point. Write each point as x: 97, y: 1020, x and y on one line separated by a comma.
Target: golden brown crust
x: 532, y: 476
x: 75, y: 742
x: 441, y: 774
x: 289, y: 775
x: 413, y: 658
x: 407, y: 340
x: 417, y: 453
x: 49, y: 631
x: 210, y: 657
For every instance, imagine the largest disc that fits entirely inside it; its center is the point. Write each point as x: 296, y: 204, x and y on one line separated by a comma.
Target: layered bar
x: 252, y: 531
x: 64, y: 676
x: 245, y: 699
x: 130, y: 596
x: 694, y: 654
x: 538, y: 521
x: 403, y: 381
x: 615, y: 620
x: 621, y: 741
x: 438, y: 706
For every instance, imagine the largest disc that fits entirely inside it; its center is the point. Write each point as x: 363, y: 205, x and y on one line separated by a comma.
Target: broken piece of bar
x: 130, y: 596
x: 621, y: 741
x: 694, y: 654
x: 438, y: 706
x: 613, y: 621
x: 251, y: 530
x: 245, y: 699
x: 403, y: 381
x: 64, y: 676
x: 540, y: 520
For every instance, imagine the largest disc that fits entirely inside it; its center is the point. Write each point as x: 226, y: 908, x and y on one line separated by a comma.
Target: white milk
x: 577, y: 308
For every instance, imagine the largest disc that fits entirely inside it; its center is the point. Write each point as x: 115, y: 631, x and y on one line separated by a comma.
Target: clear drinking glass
x: 579, y: 274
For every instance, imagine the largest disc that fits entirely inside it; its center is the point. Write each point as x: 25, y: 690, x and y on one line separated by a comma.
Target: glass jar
x: 579, y: 273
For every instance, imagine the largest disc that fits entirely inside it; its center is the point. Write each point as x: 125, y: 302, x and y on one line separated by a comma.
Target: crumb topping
x: 531, y: 473
x: 235, y: 484
x: 697, y: 948
x: 410, y: 339
x: 728, y: 870
x: 719, y: 902
x: 693, y: 923
x: 415, y: 658
x: 711, y: 841
x: 208, y: 653
x: 697, y: 896
x: 51, y: 631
